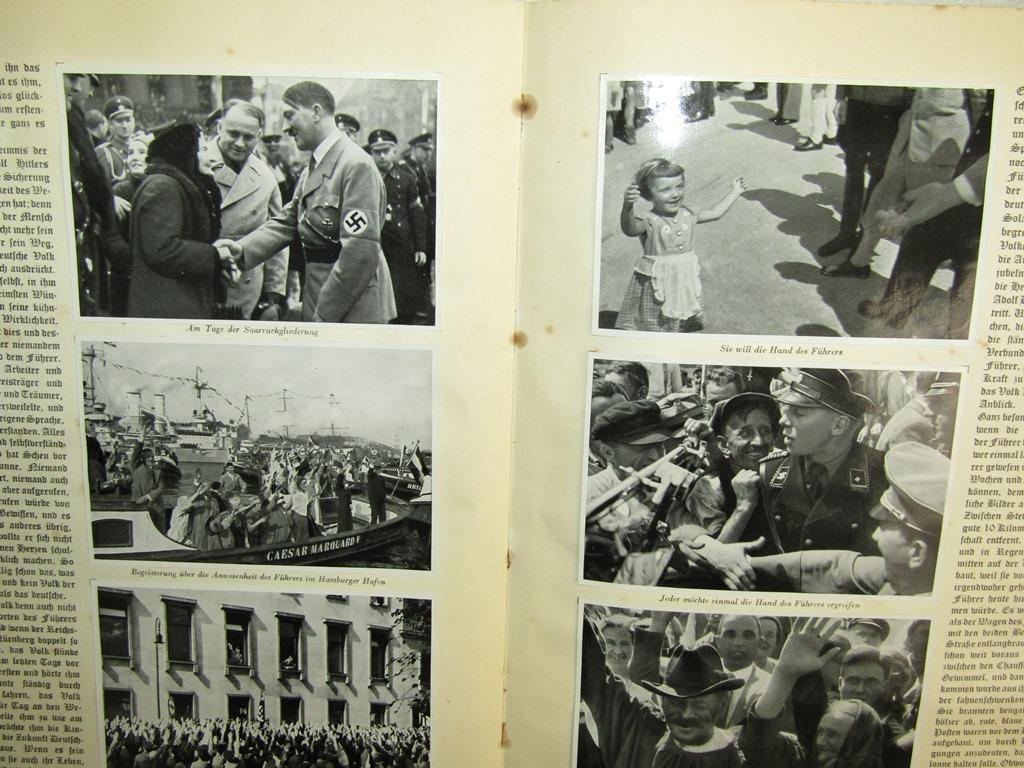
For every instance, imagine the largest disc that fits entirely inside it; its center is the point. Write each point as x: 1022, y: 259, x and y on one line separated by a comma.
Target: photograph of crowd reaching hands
x: 770, y: 479
x: 825, y: 209
x: 230, y: 197
x: 682, y: 690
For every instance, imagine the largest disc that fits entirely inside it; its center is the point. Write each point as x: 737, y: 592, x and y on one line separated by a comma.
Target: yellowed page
x: 569, y: 47
x: 463, y: 393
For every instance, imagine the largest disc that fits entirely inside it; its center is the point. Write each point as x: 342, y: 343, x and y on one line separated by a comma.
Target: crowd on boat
x: 270, y: 497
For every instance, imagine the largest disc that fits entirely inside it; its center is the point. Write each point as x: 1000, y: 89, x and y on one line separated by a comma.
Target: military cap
x: 943, y: 389
x: 820, y: 388
x: 423, y: 140
x: 213, y: 117
x: 116, y: 106
x: 638, y: 422
x: 880, y: 624
x: 94, y: 80
x: 725, y: 408
x: 381, y: 137
x: 916, y: 496
x: 343, y: 120
x: 692, y: 673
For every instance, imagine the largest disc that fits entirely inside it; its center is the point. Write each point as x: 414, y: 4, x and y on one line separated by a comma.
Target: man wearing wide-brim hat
x: 819, y: 491
x: 909, y: 519
x: 694, y: 692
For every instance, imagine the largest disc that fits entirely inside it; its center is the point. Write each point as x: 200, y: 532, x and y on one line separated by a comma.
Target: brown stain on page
x: 525, y: 106
x: 506, y: 742
x: 520, y: 339
x: 231, y: 51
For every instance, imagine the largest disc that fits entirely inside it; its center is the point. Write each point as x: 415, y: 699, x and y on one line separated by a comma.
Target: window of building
x: 379, y: 639
x: 116, y: 703
x: 338, y: 598
x: 289, y: 644
x: 380, y: 602
x: 336, y: 711
x: 183, y: 706
x: 115, y: 632
x: 425, y: 669
x: 291, y: 709
x: 378, y: 713
x: 337, y: 649
x: 236, y: 638
x: 178, y: 616
x: 239, y: 707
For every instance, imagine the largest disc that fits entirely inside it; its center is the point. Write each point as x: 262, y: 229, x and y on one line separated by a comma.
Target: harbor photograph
x: 259, y: 455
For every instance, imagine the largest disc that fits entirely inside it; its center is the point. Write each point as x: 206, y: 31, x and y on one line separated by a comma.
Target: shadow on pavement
x: 814, y: 329
x: 842, y: 295
x: 756, y: 109
x: 801, y: 216
x: 831, y: 186
x: 784, y: 134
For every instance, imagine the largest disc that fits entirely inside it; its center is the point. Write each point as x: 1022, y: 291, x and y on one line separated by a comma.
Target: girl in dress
x: 665, y: 292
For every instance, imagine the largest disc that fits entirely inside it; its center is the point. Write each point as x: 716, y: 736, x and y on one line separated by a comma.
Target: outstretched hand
x: 730, y: 561
x: 802, y: 654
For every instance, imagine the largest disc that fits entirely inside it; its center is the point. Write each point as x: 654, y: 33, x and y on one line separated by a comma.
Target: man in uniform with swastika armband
x: 337, y: 211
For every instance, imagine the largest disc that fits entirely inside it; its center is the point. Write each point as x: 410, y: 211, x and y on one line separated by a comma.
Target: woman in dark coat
x: 176, y: 271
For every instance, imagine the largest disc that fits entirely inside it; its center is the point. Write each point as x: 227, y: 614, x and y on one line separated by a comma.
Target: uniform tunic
x: 839, y: 519
x: 337, y: 210
x: 403, y: 234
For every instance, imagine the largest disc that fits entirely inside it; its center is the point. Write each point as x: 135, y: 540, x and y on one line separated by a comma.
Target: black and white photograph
x: 253, y: 198
x: 231, y: 678
x: 825, y: 209
x: 818, y: 480
x: 259, y: 455
x: 733, y: 690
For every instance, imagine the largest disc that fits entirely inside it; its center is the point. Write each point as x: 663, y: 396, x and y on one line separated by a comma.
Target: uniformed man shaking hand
x: 337, y: 210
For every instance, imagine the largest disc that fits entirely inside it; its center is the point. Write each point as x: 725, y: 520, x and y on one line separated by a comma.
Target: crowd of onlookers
x: 238, y: 743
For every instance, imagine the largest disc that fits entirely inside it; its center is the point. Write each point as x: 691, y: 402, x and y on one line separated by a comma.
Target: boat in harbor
x: 124, y: 530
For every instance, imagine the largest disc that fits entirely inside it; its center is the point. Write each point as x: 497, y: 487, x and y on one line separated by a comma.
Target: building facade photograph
x: 280, y: 658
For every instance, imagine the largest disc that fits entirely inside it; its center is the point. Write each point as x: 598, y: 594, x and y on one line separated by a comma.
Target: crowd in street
x: 687, y: 690
x: 228, y: 219
x: 812, y: 479
x: 216, y: 743
x: 915, y: 169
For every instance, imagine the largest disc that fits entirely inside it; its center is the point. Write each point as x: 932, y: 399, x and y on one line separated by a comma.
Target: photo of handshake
x: 230, y: 254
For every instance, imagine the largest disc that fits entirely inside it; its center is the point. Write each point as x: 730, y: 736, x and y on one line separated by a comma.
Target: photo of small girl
x: 664, y: 293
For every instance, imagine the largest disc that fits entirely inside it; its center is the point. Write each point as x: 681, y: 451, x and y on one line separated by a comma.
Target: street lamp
x: 157, y: 642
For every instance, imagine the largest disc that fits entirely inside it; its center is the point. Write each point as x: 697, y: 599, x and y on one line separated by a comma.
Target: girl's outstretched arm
x: 718, y: 209
x: 631, y: 225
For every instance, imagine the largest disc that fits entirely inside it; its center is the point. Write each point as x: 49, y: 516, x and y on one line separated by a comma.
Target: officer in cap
x: 819, y: 491
x: 100, y: 248
x: 942, y: 398
x: 909, y: 526
x: 420, y: 159
x: 113, y: 153
x: 404, y: 234
x: 348, y: 124
x: 871, y: 632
